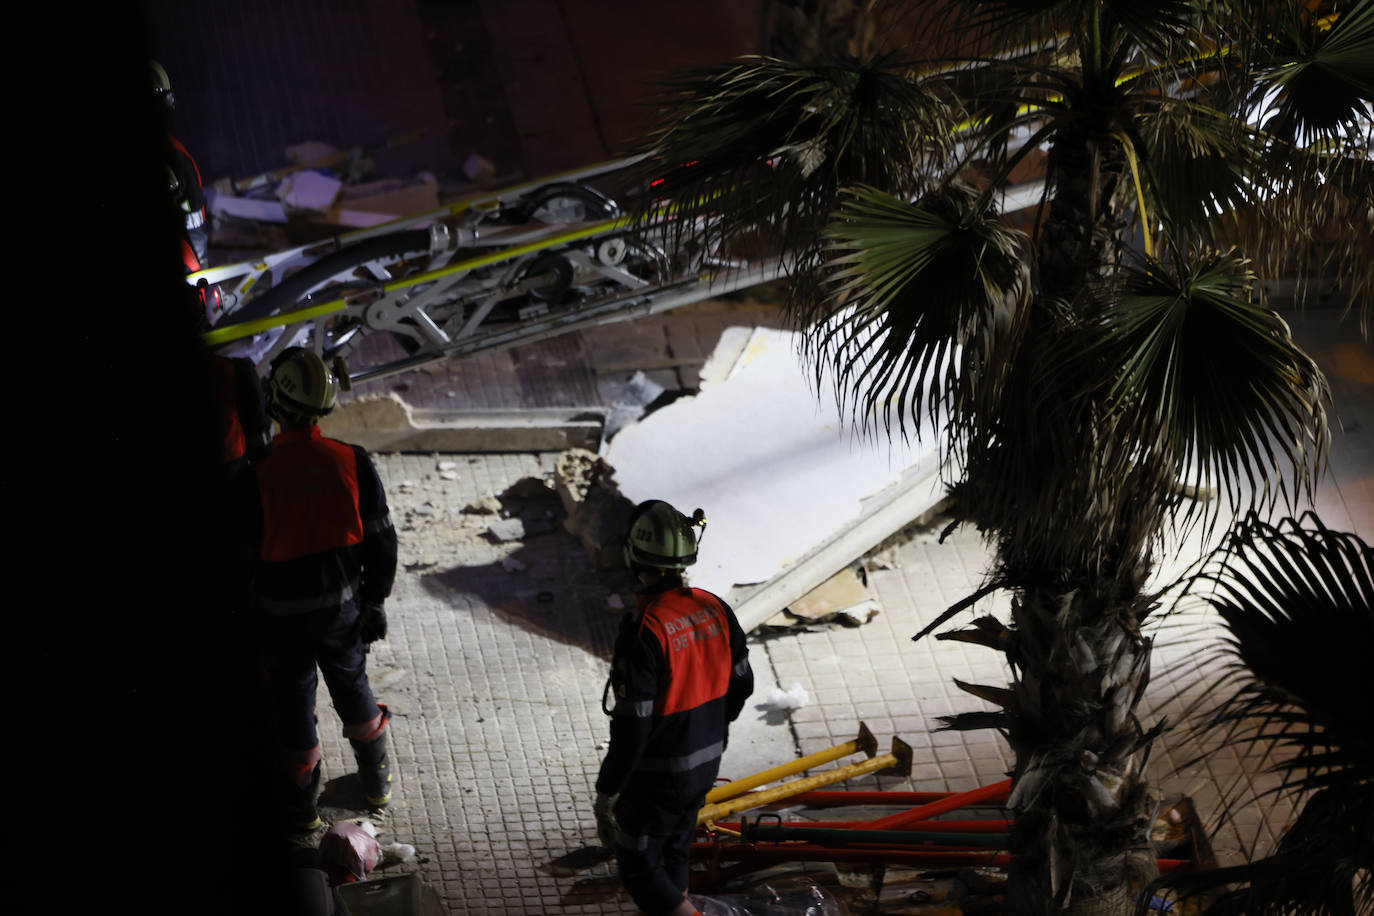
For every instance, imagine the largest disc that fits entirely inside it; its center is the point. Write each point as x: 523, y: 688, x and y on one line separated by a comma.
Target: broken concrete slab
x: 574, y: 473
x: 597, y: 513
x: 506, y: 529
x: 385, y: 423
x: 920, y: 496
x: 791, y: 493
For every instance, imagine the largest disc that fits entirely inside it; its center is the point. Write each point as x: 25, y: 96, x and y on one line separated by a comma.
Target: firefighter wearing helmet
x: 324, y: 559
x: 680, y: 675
x: 186, y: 186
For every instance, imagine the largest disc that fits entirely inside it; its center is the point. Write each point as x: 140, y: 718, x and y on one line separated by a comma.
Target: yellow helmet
x: 660, y: 537
x: 301, y: 387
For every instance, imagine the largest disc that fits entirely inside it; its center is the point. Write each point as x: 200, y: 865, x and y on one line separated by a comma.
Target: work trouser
x: 292, y: 647
x: 654, y: 860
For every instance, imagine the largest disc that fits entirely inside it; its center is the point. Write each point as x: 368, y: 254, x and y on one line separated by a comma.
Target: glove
x: 371, y: 622
x: 605, y: 821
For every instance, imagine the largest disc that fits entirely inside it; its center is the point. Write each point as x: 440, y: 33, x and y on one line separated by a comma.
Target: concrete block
x: 385, y: 423
x: 507, y: 529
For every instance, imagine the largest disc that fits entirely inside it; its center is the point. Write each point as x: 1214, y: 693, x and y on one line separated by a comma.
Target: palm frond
x: 923, y: 308
x: 1316, y: 224
x: 1152, y: 24
x: 1312, y: 82
x: 1215, y: 378
x: 1092, y: 529
x: 1298, y: 602
x: 751, y: 157
x: 1198, y: 162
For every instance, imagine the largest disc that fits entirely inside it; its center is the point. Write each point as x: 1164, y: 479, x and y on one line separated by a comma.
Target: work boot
x: 302, y: 816
x: 374, y: 769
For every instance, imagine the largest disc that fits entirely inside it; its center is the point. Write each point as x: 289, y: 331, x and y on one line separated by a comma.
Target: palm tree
x: 1089, y: 368
x: 1298, y: 602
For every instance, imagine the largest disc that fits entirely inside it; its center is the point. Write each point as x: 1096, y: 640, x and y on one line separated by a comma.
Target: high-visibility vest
x: 308, y: 485
x: 694, y: 633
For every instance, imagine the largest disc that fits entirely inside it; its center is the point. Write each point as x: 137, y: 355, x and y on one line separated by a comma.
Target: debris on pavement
x: 843, y: 600
x: 506, y: 529
x: 597, y: 512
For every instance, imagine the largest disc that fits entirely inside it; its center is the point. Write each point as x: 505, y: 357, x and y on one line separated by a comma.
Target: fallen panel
x: 782, y: 481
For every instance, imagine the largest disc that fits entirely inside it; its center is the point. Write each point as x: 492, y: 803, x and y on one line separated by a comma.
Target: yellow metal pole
x: 865, y: 742
x: 900, y: 757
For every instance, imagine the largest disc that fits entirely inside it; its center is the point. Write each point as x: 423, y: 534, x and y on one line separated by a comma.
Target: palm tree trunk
x: 1082, y: 807
x: 1081, y: 238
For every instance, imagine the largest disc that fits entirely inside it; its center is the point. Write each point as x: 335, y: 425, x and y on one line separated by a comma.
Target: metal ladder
x: 494, y: 270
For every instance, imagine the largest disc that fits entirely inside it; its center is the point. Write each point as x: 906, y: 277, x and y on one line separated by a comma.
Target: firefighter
x: 680, y: 675
x: 183, y: 177
x: 241, y: 423
x: 314, y: 514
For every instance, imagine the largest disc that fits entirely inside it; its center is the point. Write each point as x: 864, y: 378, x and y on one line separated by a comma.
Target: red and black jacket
x: 681, y: 675
x: 241, y: 424
x: 317, y: 520
x: 192, y: 194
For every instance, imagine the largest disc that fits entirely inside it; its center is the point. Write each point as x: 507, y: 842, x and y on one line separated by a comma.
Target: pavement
x: 498, y: 652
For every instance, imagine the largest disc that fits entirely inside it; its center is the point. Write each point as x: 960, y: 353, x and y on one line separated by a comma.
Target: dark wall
x: 252, y: 79
x: 535, y: 86
x: 130, y: 729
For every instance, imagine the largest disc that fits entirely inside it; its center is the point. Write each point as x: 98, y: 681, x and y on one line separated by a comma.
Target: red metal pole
x: 945, y: 805
x: 827, y: 798
x: 810, y: 852
x: 994, y: 826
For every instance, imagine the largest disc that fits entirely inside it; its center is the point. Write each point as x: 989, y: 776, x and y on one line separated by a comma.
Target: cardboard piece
x: 843, y: 599
x: 390, y: 197
x: 309, y: 190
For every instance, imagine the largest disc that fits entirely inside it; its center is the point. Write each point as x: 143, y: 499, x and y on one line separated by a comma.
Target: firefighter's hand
x: 372, y: 622
x: 605, y: 821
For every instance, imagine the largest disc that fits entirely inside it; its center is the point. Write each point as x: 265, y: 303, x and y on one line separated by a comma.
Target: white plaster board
x: 267, y: 211
x: 769, y: 461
